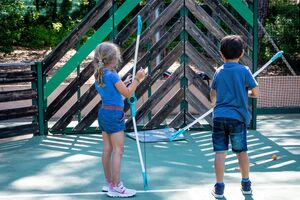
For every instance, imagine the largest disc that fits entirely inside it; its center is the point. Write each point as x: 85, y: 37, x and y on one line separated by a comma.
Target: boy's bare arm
x: 254, y: 93
x: 213, y: 96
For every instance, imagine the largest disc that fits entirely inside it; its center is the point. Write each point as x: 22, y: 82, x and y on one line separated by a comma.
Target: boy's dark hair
x: 232, y: 46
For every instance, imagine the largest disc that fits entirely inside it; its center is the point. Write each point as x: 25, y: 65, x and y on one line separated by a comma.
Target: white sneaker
x: 105, y: 187
x: 120, y: 191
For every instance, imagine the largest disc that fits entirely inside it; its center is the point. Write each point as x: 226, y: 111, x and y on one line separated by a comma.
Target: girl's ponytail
x: 99, y: 73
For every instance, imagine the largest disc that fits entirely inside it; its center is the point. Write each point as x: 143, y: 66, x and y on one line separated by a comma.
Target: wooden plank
x: 154, y: 27
x: 17, y: 95
x: 198, y: 105
x: 149, y: 80
x: 79, y: 105
x: 158, y: 70
x: 208, y: 45
x: 163, y: 113
x: 190, y: 118
x: 199, y: 60
x: 197, y: 82
x: 229, y: 19
x: 157, y: 96
x: 15, y: 65
x: 131, y: 27
x: 203, y: 41
x: 75, y: 36
x: 88, y: 71
x: 177, y: 121
x: 17, y: 77
x: 18, y: 112
x: 88, y: 119
x: 155, y: 50
x: 19, y: 130
x: 210, y: 24
x: 69, y: 91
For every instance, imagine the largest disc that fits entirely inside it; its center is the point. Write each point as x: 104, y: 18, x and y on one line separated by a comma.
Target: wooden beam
x: 203, y: 41
x: 177, y: 121
x: 154, y: 27
x: 19, y: 130
x: 210, y: 24
x: 17, y: 77
x: 88, y: 119
x: 17, y: 95
x: 76, y: 35
x: 198, y: 105
x: 229, y: 19
x: 197, y: 82
x: 163, y: 113
x: 79, y: 105
x: 69, y: 91
x: 131, y: 27
x: 208, y: 45
x: 199, y: 60
x: 7, y: 114
x: 157, y: 96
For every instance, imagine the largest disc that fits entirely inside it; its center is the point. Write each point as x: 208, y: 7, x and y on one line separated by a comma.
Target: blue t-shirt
x: 231, y: 82
x: 109, y: 94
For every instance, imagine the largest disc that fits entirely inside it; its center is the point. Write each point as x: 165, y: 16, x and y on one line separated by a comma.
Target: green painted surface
x: 69, y: 167
x: 89, y: 46
x: 243, y: 10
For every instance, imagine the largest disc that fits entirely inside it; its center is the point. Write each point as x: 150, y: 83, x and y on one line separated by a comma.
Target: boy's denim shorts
x: 111, y: 121
x: 225, y: 129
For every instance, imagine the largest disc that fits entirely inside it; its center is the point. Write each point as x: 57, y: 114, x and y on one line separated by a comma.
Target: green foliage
x: 11, y: 23
x: 283, y: 24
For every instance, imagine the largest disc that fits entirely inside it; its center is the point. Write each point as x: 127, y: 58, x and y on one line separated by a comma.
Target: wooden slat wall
x: 10, y: 75
x: 205, y: 61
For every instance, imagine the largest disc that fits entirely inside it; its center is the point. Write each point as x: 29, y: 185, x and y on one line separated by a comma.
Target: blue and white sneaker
x: 218, y: 191
x: 246, y: 188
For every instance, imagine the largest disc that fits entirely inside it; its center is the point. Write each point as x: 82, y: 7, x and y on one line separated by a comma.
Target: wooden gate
x: 180, y: 37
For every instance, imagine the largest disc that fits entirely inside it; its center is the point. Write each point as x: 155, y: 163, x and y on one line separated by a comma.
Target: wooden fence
x: 183, y: 33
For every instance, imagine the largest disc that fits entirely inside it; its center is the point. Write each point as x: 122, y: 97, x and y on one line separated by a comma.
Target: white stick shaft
x: 138, y: 144
x: 136, y: 56
x: 198, y: 119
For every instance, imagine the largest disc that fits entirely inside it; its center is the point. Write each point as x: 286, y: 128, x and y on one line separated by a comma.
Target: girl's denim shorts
x: 111, y: 121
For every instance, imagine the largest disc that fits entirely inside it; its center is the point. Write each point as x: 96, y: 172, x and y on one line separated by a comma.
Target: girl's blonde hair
x: 105, y: 54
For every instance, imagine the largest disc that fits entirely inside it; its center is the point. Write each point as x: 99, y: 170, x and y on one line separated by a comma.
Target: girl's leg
x: 106, y: 156
x: 117, y: 141
x: 219, y: 166
x: 244, y: 164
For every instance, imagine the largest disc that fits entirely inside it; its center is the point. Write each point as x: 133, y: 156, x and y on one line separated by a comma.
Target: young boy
x: 230, y: 88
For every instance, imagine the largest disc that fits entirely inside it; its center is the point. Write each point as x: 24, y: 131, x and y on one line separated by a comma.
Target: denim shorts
x: 111, y: 121
x: 225, y: 129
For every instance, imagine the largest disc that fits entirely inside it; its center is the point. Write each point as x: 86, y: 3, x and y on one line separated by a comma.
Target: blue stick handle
x: 140, y: 24
x: 277, y: 55
x: 132, y: 101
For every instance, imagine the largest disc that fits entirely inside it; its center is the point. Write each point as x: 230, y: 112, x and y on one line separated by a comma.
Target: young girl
x: 111, y: 115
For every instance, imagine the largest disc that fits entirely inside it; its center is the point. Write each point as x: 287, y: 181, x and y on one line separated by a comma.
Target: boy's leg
x: 239, y: 146
x: 106, y: 156
x: 244, y: 164
x: 117, y: 140
x: 219, y: 166
x: 220, y: 144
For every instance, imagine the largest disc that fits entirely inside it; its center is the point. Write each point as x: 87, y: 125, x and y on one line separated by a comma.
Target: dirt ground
x: 22, y: 54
